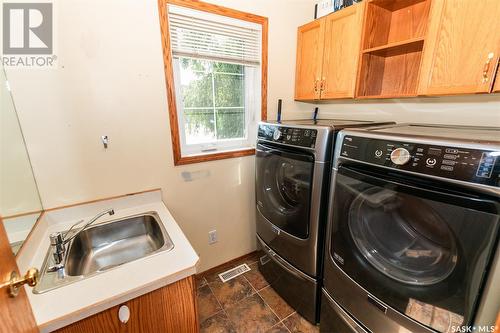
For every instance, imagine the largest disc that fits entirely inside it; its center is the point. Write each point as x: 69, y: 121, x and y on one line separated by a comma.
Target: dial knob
x: 277, y: 134
x: 400, y: 156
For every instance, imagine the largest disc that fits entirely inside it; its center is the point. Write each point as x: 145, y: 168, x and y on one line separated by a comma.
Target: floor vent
x: 234, y: 272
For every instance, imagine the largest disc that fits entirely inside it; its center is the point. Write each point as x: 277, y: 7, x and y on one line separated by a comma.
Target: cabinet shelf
x: 392, y: 47
x: 389, y: 22
x: 403, y: 43
x: 390, y: 71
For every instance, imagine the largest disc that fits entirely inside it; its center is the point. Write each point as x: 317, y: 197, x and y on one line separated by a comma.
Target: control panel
x: 303, y: 137
x: 471, y: 165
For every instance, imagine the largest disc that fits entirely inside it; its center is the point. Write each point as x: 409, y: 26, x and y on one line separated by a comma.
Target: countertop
x: 73, y: 302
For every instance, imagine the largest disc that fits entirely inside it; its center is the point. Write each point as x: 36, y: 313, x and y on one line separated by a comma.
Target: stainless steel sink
x: 99, y: 248
x: 107, y: 245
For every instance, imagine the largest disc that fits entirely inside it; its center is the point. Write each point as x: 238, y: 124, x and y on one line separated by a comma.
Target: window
x: 217, y: 108
x: 216, y: 70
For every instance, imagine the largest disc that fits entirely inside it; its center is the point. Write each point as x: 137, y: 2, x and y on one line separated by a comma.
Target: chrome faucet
x: 58, y: 240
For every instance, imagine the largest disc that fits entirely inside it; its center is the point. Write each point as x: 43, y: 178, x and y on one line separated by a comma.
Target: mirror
x: 20, y: 204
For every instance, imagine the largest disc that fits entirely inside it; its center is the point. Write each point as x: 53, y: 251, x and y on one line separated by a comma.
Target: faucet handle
x: 58, y: 248
x: 56, y: 238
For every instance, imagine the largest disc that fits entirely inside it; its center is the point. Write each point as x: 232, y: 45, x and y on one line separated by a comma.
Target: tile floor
x: 245, y: 304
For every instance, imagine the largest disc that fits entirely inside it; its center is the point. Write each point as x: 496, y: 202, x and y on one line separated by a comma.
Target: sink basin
x: 104, y: 246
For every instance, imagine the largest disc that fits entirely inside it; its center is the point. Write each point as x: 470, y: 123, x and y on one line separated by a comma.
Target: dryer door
x: 283, y: 188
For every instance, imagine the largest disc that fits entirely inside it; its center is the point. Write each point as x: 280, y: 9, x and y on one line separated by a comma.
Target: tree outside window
x: 213, y: 97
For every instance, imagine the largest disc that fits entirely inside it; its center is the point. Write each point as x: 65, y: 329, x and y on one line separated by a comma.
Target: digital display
x: 434, y: 151
x: 486, y: 165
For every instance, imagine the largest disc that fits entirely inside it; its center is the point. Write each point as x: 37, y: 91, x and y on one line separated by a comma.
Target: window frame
x: 170, y: 82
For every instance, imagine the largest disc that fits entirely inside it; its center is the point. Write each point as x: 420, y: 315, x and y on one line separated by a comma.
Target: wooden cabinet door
x: 462, y: 36
x: 15, y: 312
x: 310, y: 39
x: 341, y: 54
x: 170, y: 309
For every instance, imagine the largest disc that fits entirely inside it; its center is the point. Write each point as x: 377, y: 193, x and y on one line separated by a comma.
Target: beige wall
x: 18, y: 192
x: 110, y: 81
x: 478, y: 110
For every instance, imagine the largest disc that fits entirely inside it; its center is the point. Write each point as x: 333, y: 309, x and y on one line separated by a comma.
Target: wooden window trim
x: 169, y: 74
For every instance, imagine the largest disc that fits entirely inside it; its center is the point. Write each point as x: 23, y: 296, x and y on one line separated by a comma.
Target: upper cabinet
x: 462, y: 47
x: 309, y: 60
x: 327, y: 55
x: 400, y: 48
x: 392, y: 46
x: 341, y: 53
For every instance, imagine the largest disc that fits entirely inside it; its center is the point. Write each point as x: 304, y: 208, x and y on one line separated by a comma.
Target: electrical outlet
x: 212, y: 237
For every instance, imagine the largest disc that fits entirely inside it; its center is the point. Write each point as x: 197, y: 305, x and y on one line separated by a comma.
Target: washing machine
x: 293, y: 164
x: 413, y: 229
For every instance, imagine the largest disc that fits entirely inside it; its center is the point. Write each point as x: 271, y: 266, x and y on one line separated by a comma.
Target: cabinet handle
x: 486, y: 67
x: 124, y: 314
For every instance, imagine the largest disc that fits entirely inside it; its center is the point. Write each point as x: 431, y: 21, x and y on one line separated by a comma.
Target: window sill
x: 190, y: 159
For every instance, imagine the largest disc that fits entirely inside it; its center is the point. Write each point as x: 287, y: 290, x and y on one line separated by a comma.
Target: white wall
x: 110, y: 81
x: 18, y: 192
x: 477, y: 110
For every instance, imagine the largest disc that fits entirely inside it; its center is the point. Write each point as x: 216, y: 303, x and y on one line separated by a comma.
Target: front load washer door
x: 402, y: 236
x: 283, y: 188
